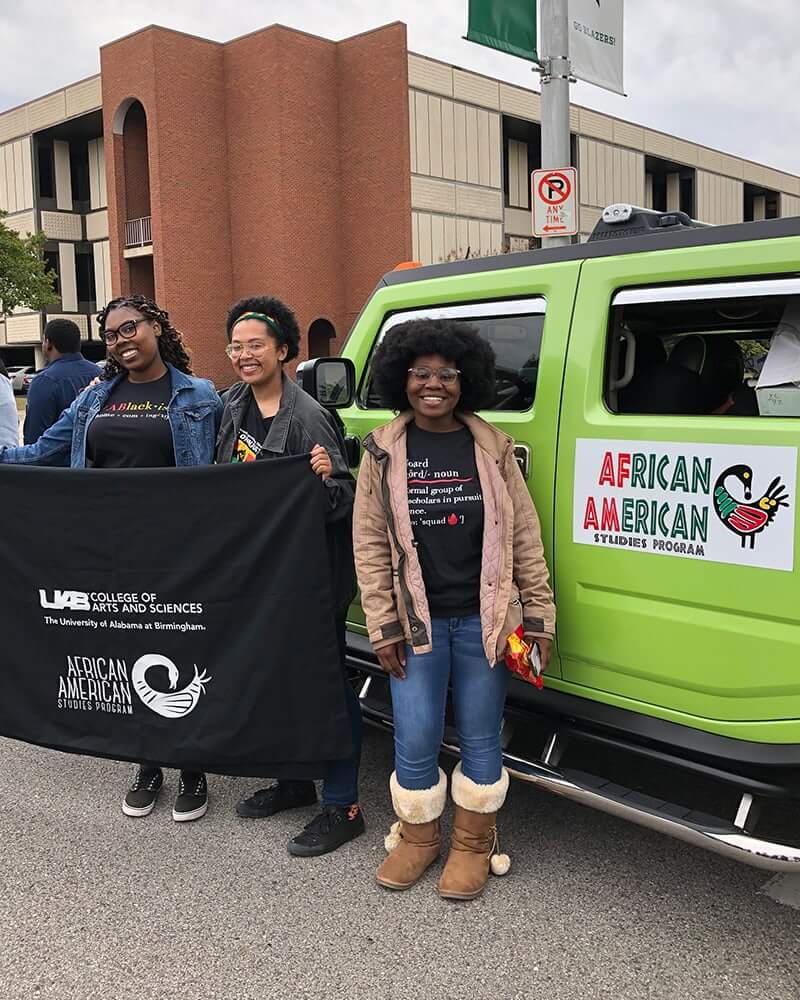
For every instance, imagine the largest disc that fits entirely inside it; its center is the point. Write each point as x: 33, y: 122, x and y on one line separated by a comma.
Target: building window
x: 320, y: 334
x: 84, y: 273
x: 46, y: 169
x: 670, y: 186
x: 760, y: 203
x: 518, y: 174
x: 52, y: 261
x: 522, y: 153
x: 79, y: 171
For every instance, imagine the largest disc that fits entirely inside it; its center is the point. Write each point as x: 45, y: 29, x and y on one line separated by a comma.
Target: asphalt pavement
x: 96, y: 905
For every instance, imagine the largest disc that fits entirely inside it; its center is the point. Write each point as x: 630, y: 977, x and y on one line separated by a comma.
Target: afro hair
x: 282, y: 314
x: 458, y: 343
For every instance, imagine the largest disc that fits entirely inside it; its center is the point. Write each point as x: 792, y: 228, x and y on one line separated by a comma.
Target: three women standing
x: 449, y: 552
x: 450, y: 562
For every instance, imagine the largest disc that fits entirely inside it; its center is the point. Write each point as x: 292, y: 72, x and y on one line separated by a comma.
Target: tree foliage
x: 25, y: 280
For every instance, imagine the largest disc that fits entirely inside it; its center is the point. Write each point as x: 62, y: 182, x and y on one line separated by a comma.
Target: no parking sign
x: 554, y: 200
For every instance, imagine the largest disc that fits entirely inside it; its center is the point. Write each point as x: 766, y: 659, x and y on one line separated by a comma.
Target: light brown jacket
x: 514, y: 587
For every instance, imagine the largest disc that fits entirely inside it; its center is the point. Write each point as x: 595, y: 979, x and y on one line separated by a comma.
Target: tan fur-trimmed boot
x: 413, y: 842
x: 474, y: 845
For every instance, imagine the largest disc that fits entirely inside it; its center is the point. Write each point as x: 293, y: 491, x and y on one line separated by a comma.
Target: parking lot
x: 95, y: 905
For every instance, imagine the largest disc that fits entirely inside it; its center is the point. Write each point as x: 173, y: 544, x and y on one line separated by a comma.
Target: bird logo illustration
x: 747, y: 519
x: 173, y: 704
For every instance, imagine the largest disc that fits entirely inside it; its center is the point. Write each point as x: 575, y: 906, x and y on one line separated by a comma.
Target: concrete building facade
x: 198, y: 172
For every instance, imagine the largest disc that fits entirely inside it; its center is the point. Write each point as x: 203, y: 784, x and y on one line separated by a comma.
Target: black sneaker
x: 192, y: 800
x: 143, y: 792
x: 334, y: 826
x: 278, y: 797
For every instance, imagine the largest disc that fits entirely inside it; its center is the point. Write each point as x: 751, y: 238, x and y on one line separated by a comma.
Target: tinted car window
x: 516, y: 339
x: 703, y: 355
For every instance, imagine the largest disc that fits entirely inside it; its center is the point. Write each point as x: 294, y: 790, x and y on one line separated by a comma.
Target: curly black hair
x: 286, y: 331
x: 170, y: 344
x: 458, y: 343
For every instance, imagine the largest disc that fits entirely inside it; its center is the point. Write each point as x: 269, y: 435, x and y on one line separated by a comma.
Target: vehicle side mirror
x: 331, y: 381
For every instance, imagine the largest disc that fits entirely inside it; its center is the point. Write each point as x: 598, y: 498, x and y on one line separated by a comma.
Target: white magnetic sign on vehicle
x: 716, y: 503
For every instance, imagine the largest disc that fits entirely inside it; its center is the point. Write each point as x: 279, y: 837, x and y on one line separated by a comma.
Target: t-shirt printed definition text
x: 445, y: 488
x: 445, y: 504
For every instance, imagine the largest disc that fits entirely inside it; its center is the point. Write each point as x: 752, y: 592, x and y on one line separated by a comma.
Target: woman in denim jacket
x: 155, y: 348
x: 148, y: 411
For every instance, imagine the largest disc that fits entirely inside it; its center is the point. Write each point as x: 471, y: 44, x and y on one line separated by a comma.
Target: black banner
x: 180, y: 617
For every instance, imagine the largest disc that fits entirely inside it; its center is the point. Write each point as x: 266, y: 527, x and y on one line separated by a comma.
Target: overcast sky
x: 721, y: 72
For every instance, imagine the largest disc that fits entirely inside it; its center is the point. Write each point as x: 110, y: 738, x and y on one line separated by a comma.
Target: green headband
x: 271, y: 323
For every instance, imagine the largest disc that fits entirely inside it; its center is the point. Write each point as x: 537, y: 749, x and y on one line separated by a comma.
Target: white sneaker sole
x: 137, y: 811
x: 187, y: 817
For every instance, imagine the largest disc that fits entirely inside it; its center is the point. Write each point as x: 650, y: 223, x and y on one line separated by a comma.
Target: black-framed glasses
x: 446, y: 375
x: 124, y: 331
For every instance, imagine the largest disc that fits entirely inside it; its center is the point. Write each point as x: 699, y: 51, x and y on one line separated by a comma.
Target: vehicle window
x: 514, y: 329
x: 699, y: 350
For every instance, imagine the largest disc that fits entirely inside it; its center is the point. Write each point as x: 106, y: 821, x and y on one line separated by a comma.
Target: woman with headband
x: 267, y: 416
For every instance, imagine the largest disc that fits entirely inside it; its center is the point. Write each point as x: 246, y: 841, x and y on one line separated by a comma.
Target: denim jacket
x: 194, y: 412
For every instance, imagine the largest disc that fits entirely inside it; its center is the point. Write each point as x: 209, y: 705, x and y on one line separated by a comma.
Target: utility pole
x: 556, y: 77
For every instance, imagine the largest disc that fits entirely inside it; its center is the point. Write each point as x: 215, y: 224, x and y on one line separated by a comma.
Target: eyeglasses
x: 124, y: 331
x: 254, y: 347
x: 445, y: 375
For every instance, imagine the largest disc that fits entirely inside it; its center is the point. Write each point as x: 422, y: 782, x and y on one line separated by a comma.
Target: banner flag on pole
x: 507, y: 25
x: 181, y: 617
x: 595, y: 42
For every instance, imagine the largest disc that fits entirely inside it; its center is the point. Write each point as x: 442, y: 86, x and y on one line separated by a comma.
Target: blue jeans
x: 419, y: 701
x: 340, y: 787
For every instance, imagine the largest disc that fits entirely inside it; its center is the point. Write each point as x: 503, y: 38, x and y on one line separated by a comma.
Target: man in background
x: 55, y: 387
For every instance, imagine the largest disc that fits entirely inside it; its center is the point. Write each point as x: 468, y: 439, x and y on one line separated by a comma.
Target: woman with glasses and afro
x: 450, y: 564
x: 267, y: 415
x: 147, y: 411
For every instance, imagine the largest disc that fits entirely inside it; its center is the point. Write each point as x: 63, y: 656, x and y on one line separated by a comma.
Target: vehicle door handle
x: 522, y: 454
x: 352, y: 449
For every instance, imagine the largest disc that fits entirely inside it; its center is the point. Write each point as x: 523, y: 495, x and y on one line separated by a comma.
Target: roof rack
x: 621, y: 221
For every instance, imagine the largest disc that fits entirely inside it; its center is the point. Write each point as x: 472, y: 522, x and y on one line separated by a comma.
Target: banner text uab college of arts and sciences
x: 176, y: 616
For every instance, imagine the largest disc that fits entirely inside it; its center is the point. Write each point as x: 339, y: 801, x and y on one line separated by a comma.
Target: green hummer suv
x: 631, y: 374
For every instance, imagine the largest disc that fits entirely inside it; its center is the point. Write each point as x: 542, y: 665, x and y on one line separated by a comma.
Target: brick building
x: 201, y: 171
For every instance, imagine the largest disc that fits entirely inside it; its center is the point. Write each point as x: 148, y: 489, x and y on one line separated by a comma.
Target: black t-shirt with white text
x: 132, y: 430
x: 446, y: 507
x: 252, y: 434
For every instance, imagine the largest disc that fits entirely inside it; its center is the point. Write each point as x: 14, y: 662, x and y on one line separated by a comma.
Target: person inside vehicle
x: 450, y: 562
x: 55, y: 387
x: 719, y: 364
x: 148, y: 365
x: 657, y: 386
x: 267, y: 416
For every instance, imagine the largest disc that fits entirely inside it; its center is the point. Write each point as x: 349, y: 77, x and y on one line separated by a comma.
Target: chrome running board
x: 731, y: 840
